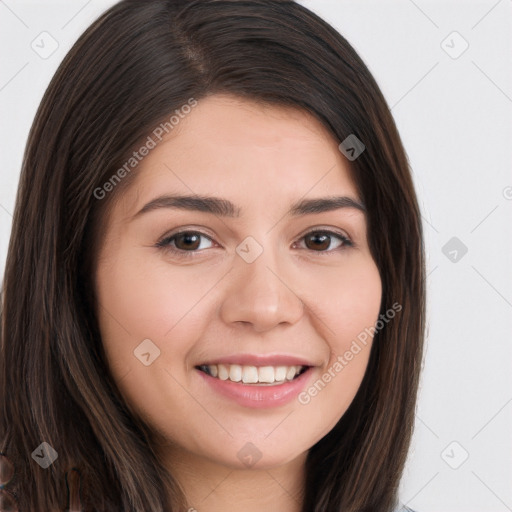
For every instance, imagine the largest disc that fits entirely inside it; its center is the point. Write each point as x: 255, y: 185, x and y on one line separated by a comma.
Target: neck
x: 212, y: 487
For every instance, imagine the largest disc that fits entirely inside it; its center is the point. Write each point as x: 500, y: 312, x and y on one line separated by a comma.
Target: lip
x: 261, y: 360
x: 258, y: 397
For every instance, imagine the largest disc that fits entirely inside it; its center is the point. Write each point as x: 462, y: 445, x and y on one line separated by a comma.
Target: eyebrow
x: 225, y: 208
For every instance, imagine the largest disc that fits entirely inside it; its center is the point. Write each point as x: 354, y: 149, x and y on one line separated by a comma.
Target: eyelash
x: 164, y: 243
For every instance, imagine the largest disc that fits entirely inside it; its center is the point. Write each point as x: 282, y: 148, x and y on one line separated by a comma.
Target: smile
x: 256, y: 375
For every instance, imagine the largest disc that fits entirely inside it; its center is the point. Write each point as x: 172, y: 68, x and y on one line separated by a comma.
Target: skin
x: 298, y: 297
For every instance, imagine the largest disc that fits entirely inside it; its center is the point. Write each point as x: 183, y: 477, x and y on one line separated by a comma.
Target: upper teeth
x: 252, y: 374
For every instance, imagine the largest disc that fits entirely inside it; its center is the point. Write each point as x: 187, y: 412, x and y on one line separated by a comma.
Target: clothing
x: 402, y: 508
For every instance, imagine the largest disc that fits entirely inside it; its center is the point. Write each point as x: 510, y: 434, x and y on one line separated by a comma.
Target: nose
x: 261, y: 295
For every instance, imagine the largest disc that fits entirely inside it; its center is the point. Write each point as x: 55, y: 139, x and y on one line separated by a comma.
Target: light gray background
x: 454, y: 115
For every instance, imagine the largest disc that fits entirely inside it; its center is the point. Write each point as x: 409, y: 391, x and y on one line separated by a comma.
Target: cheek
x: 347, y: 313
x: 354, y: 315
x: 144, y: 299
x: 346, y: 299
x: 141, y: 299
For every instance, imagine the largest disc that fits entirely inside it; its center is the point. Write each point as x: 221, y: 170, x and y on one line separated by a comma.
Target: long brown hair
x: 139, y: 62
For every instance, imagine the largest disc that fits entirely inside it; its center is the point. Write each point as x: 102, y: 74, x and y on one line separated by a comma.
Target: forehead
x: 247, y: 151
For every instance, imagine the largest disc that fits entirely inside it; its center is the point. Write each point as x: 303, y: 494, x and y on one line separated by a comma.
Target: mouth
x: 254, y: 375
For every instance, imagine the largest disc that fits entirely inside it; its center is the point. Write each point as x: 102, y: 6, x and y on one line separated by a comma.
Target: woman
x: 214, y: 290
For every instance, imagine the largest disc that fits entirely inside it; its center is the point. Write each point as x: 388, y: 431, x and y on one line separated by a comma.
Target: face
x: 229, y: 323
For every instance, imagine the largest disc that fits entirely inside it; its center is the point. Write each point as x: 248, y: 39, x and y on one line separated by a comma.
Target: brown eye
x: 321, y: 241
x: 187, y: 241
x: 317, y: 241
